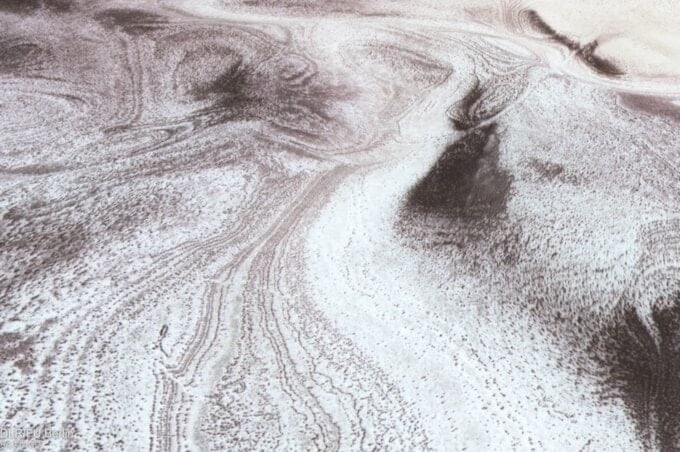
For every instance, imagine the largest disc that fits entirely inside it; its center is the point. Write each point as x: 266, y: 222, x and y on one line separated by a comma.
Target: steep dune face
x: 335, y: 226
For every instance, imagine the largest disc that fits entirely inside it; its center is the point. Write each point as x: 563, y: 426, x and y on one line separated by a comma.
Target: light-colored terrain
x: 339, y: 226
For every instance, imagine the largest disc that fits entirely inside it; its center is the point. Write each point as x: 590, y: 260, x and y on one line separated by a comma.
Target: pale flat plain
x: 298, y: 225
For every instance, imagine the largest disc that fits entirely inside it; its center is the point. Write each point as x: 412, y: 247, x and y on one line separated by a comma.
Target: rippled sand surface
x: 300, y: 225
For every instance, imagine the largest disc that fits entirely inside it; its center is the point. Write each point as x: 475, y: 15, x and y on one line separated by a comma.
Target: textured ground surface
x: 299, y: 225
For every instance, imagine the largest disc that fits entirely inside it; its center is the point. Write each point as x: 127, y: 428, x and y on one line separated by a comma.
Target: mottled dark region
x: 17, y: 55
x: 131, y: 21
x: 298, y: 102
x: 547, y: 170
x: 585, y: 53
x: 644, y: 369
x: 551, y: 171
x: 653, y: 105
x: 35, y: 245
x: 466, y: 180
x: 41, y: 238
x: 30, y: 6
x: 18, y: 349
x: 231, y: 90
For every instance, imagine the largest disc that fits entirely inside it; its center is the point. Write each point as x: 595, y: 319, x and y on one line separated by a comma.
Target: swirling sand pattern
x: 334, y: 226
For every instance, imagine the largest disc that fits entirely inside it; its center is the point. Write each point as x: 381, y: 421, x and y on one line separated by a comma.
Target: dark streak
x: 537, y: 22
x: 33, y: 170
x: 601, y: 65
x: 488, y: 99
x: 585, y: 53
x: 464, y: 116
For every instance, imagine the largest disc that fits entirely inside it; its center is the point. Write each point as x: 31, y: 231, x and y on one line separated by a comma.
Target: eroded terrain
x: 306, y: 225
